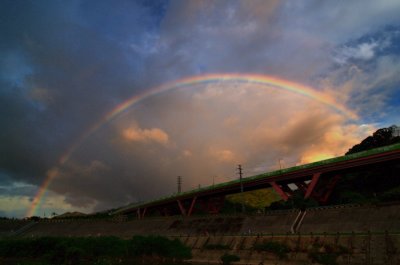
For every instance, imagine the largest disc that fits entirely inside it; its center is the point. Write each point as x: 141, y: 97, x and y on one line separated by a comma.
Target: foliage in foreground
x: 62, y: 250
x: 326, y: 254
x: 279, y: 249
x: 229, y: 258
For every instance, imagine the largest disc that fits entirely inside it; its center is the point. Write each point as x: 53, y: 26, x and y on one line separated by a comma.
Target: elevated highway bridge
x: 317, y: 180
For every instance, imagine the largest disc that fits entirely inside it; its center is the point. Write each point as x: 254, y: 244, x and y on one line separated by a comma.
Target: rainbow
x: 264, y: 80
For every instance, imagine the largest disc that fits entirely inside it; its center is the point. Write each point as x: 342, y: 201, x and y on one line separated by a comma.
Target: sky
x: 98, y: 107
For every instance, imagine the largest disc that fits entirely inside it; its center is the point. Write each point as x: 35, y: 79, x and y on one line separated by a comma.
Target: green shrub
x: 326, y: 254
x: 160, y: 246
x: 229, y: 258
x: 279, y: 249
x: 62, y: 250
x: 324, y: 258
x: 391, y: 195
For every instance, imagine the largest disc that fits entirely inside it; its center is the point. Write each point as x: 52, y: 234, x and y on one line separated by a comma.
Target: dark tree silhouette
x: 382, y: 137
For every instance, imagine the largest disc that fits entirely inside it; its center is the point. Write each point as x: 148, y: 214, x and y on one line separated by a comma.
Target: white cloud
x: 335, y: 142
x: 368, y: 89
x: 145, y: 135
x: 363, y: 51
x: 224, y: 155
x: 16, y: 206
x: 187, y: 153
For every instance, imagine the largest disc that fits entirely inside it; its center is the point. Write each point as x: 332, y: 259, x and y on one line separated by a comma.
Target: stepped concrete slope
x: 10, y: 227
x: 334, y: 219
x: 84, y: 228
x: 354, y: 249
x: 278, y: 222
x: 352, y: 219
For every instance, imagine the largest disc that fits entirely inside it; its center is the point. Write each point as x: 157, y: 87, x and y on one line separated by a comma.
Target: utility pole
x: 240, y: 177
x: 241, y: 184
x: 179, y: 182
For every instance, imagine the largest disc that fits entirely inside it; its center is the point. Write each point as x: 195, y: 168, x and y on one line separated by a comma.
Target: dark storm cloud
x: 63, y: 64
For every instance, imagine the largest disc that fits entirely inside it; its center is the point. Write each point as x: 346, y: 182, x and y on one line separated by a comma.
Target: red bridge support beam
x: 329, y: 188
x: 138, y: 213
x: 183, y: 211
x: 279, y: 190
x: 192, y: 206
x: 141, y: 213
x: 181, y: 206
x: 312, y: 185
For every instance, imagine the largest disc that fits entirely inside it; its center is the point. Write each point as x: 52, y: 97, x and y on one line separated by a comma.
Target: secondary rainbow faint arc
x: 268, y: 81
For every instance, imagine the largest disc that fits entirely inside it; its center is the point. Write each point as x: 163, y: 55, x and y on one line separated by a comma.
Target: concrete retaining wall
x: 352, y: 219
x: 342, y: 219
x: 362, y: 248
x: 9, y: 227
